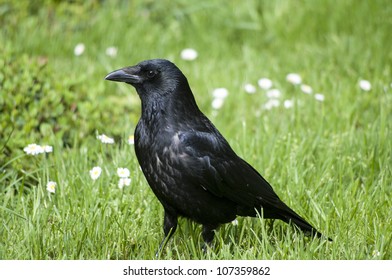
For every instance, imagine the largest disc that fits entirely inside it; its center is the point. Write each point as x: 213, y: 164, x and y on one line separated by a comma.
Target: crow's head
x: 156, y: 76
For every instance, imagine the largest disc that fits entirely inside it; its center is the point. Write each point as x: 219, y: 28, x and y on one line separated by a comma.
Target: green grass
x: 330, y: 161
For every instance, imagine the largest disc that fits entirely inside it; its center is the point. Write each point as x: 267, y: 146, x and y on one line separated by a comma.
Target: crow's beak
x: 127, y: 75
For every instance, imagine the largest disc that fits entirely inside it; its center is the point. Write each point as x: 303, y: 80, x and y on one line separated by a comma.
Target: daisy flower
x: 294, y: 78
x: 249, y: 88
x: 319, y: 97
x: 273, y: 93
x: 95, y: 172
x: 306, y: 89
x: 33, y: 149
x: 365, y: 85
x: 271, y: 103
x: 188, y: 54
x: 47, y: 149
x: 217, y: 103
x: 105, y: 139
x: 123, y: 172
x: 288, y: 103
x: 131, y: 140
x: 111, y: 51
x: 51, y: 186
x: 79, y: 49
x: 220, y: 93
x: 264, y: 83
x: 124, y: 182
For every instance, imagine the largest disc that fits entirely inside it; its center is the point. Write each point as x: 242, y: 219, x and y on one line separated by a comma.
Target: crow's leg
x: 169, y: 227
x: 208, y: 235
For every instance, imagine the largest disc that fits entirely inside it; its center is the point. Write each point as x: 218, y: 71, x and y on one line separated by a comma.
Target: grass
x: 330, y: 161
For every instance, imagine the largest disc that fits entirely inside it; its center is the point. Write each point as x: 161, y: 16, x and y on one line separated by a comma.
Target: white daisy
x: 249, y: 88
x: 33, y: 149
x: 111, y: 51
x: 306, y: 89
x: 220, y: 93
x: 273, y: 93
x: 188, y: 54
x: 288, y: 103
x: 131, y: 140
x: 124, y: 182
x: 123, y: 172
x: 95, y: 172
x: 365, y: 85
x: 105, y: 139
x: 264, y: 83
x: 294, y: 78
x: 79, y: 49
x: 51, y: 186
x: 217, y: 103
x: 319, y: 97
x: 271, y: 103
x: 47, y: 149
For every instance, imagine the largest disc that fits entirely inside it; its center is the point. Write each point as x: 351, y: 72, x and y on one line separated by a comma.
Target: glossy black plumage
x: 188, y: 164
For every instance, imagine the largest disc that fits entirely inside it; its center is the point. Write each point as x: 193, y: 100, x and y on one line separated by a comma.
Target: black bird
x: 188, y: 164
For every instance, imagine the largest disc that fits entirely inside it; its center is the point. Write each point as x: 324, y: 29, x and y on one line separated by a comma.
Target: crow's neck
x: 170, y: 108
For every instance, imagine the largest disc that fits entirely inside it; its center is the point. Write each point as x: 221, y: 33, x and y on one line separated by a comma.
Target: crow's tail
x: 289, y: 216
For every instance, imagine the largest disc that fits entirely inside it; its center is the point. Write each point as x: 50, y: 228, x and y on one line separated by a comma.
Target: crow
x: 188, y: 164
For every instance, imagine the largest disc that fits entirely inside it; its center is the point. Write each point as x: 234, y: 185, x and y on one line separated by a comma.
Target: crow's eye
x: 150, y: 73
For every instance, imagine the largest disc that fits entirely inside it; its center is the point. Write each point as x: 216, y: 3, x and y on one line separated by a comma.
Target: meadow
x: 321, y: 137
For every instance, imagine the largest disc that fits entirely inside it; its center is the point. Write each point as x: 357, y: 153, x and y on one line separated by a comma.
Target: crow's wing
x: 207, y: 159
